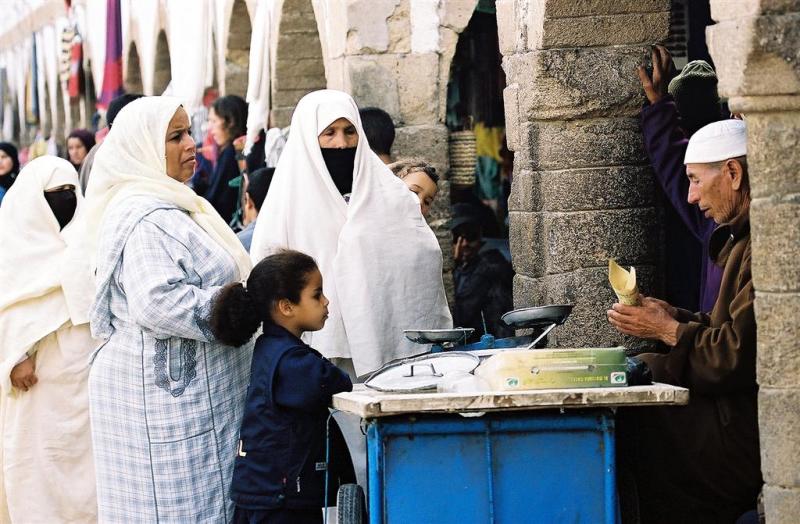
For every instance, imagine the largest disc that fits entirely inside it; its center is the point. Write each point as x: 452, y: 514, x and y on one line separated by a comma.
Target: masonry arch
x: 133, y: 71
x: 237, y: 50
x: 298, y: 67
x: 46, y: 113
x: 10, y: 119
x: 475, y: 116
x: 60, y: 123
x: 163, y: 69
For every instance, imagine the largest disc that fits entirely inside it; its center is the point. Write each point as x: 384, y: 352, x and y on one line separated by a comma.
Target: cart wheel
x: 350, y: 507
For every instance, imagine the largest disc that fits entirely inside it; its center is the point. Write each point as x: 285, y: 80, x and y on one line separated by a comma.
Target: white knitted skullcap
x: 716, y: 142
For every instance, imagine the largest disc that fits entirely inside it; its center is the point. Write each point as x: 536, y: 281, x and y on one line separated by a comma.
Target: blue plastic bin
x: 510, y: 467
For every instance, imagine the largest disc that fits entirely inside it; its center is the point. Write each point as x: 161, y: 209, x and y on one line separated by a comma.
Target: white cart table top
x: 368, y: 403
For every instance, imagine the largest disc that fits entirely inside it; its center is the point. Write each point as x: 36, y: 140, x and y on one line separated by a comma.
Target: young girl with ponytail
x: 279, y: 472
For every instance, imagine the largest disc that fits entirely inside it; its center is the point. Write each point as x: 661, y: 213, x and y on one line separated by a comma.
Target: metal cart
x: 528, y: 456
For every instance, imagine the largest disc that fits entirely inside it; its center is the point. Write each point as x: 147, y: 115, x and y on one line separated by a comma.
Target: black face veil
x: 63, y: 203
x: 340, y: 164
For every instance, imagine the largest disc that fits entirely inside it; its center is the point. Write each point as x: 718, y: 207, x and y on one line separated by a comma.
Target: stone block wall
x: 163, y: 64
x: 756, y: 47
x: 237, y: 51
x: 299, y: 67
x: 582, y: 190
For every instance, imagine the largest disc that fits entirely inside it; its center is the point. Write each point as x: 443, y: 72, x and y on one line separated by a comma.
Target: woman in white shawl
x: 166, y: 399
x: 47, y: 472
x: 381, y: 263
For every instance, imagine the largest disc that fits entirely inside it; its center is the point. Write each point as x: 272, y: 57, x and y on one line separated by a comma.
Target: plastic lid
x: 420, y: 373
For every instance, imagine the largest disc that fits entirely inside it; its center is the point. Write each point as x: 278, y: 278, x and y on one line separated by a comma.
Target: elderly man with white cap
x: 701, y: 463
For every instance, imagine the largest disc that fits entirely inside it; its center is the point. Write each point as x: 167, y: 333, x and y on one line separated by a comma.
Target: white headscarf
x: 381, y: 264
x: 44, y: 271
x: 132, y: 162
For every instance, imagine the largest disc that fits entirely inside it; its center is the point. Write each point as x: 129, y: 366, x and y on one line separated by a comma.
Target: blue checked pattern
x: 166, y: 400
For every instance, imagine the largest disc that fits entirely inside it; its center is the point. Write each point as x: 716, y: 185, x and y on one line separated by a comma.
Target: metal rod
x: 433, y: 370
x: 544, y: 334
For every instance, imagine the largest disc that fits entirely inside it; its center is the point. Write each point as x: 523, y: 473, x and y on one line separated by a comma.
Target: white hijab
x: 44, y: 271
x: 132, y: 162
x: 381, y: 264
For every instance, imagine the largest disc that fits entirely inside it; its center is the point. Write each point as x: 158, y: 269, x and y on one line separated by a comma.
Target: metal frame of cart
x: 530, y: 456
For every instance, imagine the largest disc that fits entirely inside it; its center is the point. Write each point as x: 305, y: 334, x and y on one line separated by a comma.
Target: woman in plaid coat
x: 166, y: 398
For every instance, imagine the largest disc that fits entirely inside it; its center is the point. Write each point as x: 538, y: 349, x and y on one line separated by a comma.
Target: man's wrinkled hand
x: 655, y: 86
x: 650, y: 321
x: 672, y: 311
x: 23, y: 375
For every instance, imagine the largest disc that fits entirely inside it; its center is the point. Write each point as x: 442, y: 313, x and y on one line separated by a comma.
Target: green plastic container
x: 514, y: 370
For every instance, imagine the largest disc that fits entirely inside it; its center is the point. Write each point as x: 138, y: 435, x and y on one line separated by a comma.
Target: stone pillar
x: 237, y: 51
x: 133, y: 71
x: 756, y: 48
x: 298, y: 67
x: 582, y: 191
x: 163, y: 65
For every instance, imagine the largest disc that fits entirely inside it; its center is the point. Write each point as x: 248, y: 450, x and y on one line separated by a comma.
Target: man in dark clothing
x: 256, y: 185
x: 667, y: 122
x: 483, y: 278
x: 701, y: 462
x: 379, y: 128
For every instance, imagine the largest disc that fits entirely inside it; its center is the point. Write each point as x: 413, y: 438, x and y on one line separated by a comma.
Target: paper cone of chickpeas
x: 624, y: 284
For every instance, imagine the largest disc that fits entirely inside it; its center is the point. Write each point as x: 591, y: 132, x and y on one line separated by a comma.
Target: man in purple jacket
x: 675, y: 111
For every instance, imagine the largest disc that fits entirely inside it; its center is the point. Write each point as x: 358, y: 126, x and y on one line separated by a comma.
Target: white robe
x: 46, y: 466
x: 46, y: 453
x: 380, y: 262
x: 166, y: 398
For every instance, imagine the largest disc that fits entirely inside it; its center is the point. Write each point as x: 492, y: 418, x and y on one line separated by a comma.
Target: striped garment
x: 166, y: 400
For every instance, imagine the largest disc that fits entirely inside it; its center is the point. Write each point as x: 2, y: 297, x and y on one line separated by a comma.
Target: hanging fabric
x: 65, y: 56
x: 41, y: 81
x: 77, y: 80
x: 488, y: 144
x: 50, y: 51
x: 112, y: 75
x: 187, y: 35
x: 32, y: 89
x: 258, y: 81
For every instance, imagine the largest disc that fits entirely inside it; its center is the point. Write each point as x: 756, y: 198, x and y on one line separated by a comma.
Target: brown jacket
x: 703, y: 459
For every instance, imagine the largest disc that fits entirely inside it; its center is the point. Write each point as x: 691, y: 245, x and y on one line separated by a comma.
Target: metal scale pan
x: 438, y: 336
x: 546, y: 317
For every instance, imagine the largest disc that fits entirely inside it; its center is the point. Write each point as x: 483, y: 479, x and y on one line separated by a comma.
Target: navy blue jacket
x: 281, y: 458
x: 223, y: 197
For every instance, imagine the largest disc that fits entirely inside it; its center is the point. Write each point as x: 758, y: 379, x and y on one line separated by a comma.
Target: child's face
x: 312, y: 310
x: 424, y: 187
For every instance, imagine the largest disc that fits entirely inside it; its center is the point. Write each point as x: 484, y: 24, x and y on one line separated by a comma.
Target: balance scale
x: 541, y: 319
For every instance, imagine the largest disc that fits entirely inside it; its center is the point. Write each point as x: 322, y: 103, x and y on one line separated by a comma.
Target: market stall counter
x: 544, y: 455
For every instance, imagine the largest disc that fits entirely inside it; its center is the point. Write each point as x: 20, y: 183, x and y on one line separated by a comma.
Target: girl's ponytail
x: 235, y: 316
x: 238, y: 312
